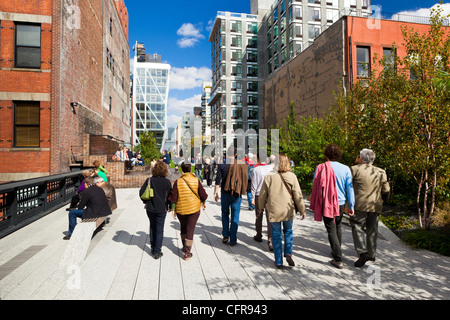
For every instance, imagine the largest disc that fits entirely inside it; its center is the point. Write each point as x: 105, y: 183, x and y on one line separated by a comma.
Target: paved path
x: 118, y: 264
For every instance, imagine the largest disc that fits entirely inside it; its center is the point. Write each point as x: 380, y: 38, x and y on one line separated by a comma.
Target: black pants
x: 334, y: 229
x: 156, y: 230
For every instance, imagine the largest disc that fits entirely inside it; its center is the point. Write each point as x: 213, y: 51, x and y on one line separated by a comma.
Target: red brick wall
x: 12, y: 80
x: 117, y: 175
x: 380, y: 36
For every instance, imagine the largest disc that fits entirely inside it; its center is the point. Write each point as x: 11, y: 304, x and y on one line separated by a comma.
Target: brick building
x: 57, y: 82
x: 334, y: 61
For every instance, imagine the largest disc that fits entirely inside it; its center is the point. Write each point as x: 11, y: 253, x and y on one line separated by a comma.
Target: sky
x: 178, y: 30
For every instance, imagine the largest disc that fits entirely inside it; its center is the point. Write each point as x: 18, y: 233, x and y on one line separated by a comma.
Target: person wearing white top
x: 257, y: 180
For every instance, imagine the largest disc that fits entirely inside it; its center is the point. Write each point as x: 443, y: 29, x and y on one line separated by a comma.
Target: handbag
x: 290, y: 192
x: 148, y: 193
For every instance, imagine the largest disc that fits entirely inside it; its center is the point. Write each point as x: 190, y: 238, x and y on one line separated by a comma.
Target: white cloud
x: 190, y: 34
x: 173, y: 120
x: 177, y: 108
x: 189, y: 30
x: 187, y: 42
x: 426, y: 12
x: 189, y: 77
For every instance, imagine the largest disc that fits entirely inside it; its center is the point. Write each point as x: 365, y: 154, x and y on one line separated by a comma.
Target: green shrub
x: 434, y: 240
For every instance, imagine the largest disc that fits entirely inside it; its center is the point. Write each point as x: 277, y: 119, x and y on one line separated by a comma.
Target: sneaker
x: 337, y: 264
x: 225, y: 240
x: 66, y: 238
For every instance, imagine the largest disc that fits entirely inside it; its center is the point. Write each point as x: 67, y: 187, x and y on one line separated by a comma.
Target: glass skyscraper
x: 150, y: 95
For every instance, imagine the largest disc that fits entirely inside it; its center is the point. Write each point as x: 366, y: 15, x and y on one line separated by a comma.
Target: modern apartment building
x: 150, y: 95
x: 292, y: 26
x: 237, y: 82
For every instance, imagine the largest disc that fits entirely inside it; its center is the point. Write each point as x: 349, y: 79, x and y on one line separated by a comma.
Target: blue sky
x: 178, y: 30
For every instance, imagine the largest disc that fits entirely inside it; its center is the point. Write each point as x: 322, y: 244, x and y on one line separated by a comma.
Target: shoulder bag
x: 148, y: 193
x: 190, y: 188
x: 290, y: 191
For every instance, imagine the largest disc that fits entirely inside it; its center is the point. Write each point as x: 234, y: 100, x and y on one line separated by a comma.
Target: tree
x: 403, y: 112
x: 148, y: 148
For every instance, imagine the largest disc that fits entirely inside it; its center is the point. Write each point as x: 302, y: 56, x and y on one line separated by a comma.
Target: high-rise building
x: 292, y: 25
x: 150, y: 95
x: 237, y: 81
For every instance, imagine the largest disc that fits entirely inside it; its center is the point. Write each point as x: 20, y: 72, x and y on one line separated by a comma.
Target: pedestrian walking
x: 232, y: 178
x: 369, y: 183
x: 332, y: 189
x: 187, y: 198
x: 257, y: 180
x: 157, y: 206
x: 282, y: 195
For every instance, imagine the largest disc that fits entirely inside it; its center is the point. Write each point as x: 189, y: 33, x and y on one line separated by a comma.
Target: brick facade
x: 22, y: 84
x: 73, y: 61
x: 117, y: 175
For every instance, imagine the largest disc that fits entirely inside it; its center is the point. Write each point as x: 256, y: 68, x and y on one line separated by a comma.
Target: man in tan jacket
x: 369, y: 182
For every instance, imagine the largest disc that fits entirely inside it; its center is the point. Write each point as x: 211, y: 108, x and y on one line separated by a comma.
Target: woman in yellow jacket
x: 187, y: 197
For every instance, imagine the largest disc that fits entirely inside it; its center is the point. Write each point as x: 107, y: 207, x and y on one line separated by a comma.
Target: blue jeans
x: 277, y: 240
x: 73, y: 215
x: 230, y: 230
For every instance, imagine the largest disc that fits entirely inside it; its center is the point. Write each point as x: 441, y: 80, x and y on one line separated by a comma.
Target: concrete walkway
x: 118, y: 263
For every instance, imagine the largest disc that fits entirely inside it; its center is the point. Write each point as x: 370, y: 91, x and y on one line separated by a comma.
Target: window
x: 28, y: 46
x: 236, y: 26
x: 26, y: 124
x: 297, y: 13
x: 389, y: 57
x: 252, y: 86
x: 362, y: 62
x: 297, y: 30
x: 236, y: 70
x: 252, y: 28
x: 313, y: 31
x: 313, y: 14
x: 252, y: 56
x: 252, y: 71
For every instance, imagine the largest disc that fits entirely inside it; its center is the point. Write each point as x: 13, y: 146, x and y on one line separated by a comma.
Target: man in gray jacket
x: 369, y: 182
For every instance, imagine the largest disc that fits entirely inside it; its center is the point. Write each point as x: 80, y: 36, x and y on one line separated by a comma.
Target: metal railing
x: 23, y: 202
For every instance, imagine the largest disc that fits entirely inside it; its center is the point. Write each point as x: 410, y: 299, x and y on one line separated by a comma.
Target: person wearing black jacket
x: 158, y: 205
x: 93, y: 198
